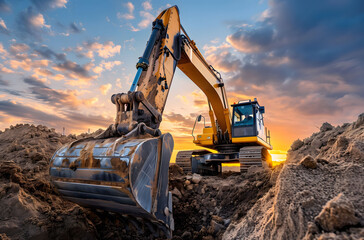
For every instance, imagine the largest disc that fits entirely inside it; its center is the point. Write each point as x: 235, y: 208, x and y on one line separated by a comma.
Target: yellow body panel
x: 193, y: 64
x: 206, y: 138
x: 253, y: 139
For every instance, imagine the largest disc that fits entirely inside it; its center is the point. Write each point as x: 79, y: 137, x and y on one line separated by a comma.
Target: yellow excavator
x: 125, y: 168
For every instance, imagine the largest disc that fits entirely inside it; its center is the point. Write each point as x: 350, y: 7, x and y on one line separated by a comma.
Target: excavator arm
x: 166, y: 49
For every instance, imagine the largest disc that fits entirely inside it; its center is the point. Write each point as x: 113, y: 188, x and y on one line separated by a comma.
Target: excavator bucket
x: 129, y: 176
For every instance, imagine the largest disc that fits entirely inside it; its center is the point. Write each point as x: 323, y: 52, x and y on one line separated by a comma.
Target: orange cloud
x: 105, y: 88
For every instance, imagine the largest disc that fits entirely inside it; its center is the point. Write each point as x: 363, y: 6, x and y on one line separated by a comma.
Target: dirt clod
x: 308, y: 162
x: 337, y: 214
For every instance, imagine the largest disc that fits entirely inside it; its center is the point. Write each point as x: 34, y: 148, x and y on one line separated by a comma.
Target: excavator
x: 125, y: 168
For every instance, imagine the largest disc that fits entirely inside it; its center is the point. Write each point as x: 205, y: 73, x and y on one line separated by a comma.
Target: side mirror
x: 199, y: 118
x: 262, y: 109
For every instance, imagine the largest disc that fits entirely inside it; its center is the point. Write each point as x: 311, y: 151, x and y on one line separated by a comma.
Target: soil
x: 319, y: 193
x: 316, y: 194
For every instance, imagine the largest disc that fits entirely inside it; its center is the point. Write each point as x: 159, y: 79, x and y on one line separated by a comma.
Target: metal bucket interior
x: 129, y: 176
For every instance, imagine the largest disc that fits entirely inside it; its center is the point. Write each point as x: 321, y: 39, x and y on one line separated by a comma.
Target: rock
x: 316, y: 143
x: 308, y: 162
x: 4, y: 237
x: 196, y: 178
x: 209, y: 237
x: 337, y: 214
x: 312, y: 228
x: 217, y: 218
x: 215, y: 227
x: 175, y: 199
x: 296, y: 145
x: 203, y: 189
x: 225, y: 188
x: 321, y: 160
x: 326, y: 127
x: 359, y: 122
x: 227, y: 222
x: 356, y: 149
x: 329, y: 236
x: 341, y: 143
x: 177, y: 193
x: 258, y: 184
x: 186, y: 235
x: 175, y: 170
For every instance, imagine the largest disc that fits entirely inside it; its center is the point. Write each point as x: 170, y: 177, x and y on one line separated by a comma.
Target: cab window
x: 243, y: 115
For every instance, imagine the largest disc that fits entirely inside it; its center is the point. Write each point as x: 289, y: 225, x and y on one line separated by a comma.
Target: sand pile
x: 319, y: 193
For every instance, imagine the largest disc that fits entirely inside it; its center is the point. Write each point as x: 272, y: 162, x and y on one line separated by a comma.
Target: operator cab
x: 248, y: 123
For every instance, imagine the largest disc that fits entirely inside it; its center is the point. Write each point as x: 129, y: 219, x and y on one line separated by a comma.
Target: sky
x: 61, y: 60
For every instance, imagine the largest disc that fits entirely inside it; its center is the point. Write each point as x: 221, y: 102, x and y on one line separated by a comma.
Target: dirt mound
x: 317, y: 194
x: 31, y: 208
x: 319, y: 191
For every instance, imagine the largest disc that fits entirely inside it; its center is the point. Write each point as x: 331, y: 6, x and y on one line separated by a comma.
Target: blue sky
x: 61, y: 60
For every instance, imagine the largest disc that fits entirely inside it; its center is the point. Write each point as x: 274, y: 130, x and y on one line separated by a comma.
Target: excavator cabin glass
x: 247, y: 120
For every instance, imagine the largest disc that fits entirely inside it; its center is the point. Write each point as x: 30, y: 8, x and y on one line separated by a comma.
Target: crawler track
x: 254, y: 156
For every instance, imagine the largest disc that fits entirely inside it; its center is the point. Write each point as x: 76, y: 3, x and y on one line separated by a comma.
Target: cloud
x: 118, y: 83
x: 105, y: 50
x: 28, y: 64
x: 129, y: 15
x: 252, y: 40
x: 4, y: 7
x: 31, y: 23
x: 179, y: 119
x: 18, y: 48
x: 297, y: 56
x: 147, y: 6
x: 199, y: 99
x: 46, y: 52
x: 106, y: 65
x: 26, y: 112
x: 105, y: 88
x: 223, y: 60
x: 74, y: 70
x: 3, y: 27
x: 71, y: 120
x: 132, y: 28
x: 148, y: 18
x: 53, y: 97
x: 76, y: 29
x: 43, y: 72
x: 58, y: 77
x: 34, y: 82
x: 3, y: 82
x: 13, y: 92
x: 48, y: 4
x: 5, y: 69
